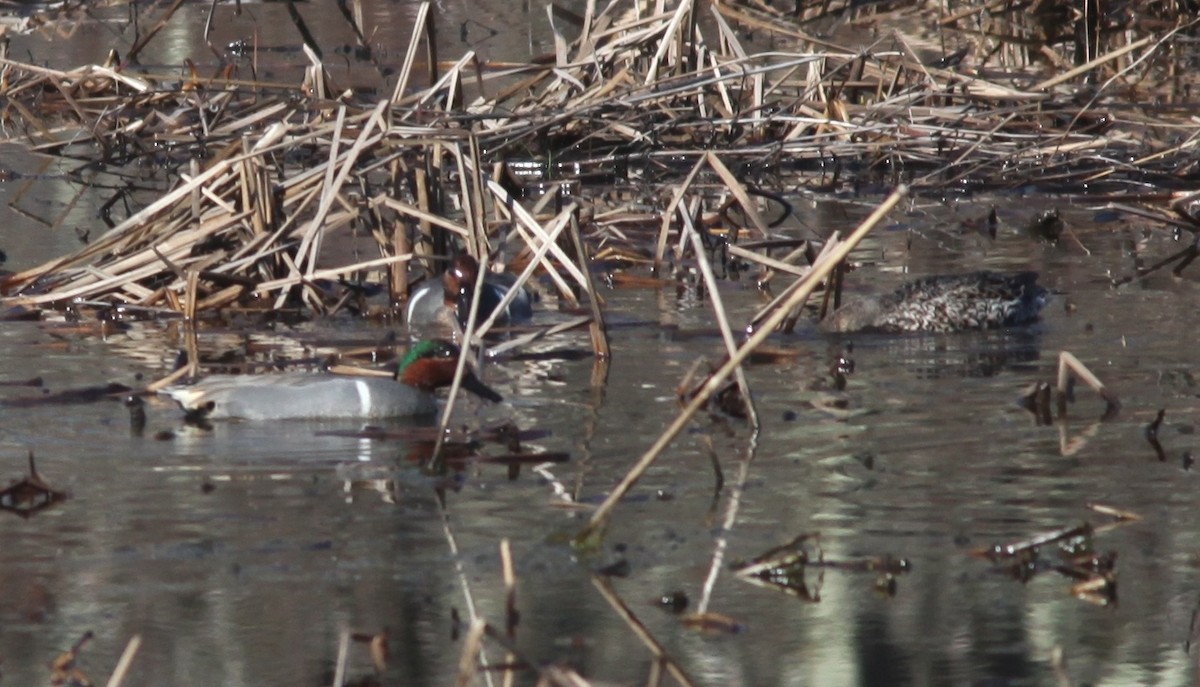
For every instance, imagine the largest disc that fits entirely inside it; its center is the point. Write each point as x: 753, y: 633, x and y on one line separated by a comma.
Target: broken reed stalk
x: 598, y: 329
x: 410, y: 55
x: 739, y: 192
x: 767, y: 261
x: 510, y: 605
x: 1082, y: 69
x: 776, y: 302
x: 472, y: 651
x: 660, y: 247
x: 657, y: 649
x: 144, y: 40
x: 472, y: 188
x: 594, y: 530
x: 526, y: 339
x: 510, y: 587
x: 534, y: 233
x: 1068, y: 363
x: 547, y: 674
x: 718, y: 306
x: 343, y: 655
x: 1070, y: 445
x: 1058, y: 661
x: 164, y: 382
x: 126, y: 660
x: 557, y: 226
x: 464, y: 354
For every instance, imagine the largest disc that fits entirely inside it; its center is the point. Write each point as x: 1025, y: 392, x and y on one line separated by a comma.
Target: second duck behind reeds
x: 452, y: 294
x: 946, y: 303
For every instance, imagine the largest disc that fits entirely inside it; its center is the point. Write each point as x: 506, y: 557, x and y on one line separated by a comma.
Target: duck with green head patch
x: 428, y: 366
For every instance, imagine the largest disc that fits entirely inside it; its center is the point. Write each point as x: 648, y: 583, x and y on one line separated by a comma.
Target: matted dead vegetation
x: 607, y: 128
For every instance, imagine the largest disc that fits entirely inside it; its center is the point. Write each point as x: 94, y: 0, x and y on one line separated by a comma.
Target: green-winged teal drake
x: 428, y: 366
x: 452, y: 294
x: 946, y: 303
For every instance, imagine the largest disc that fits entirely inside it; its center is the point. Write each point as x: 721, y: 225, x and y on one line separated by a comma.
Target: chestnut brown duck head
x: 455, y: 290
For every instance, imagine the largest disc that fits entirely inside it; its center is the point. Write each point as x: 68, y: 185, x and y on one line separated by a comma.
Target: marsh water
x: 242, y: 553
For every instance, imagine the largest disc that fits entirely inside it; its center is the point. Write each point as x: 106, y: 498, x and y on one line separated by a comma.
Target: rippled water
x: 241, y: 554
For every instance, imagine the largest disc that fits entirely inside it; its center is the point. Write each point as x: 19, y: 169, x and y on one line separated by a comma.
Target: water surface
x: 241, y: 554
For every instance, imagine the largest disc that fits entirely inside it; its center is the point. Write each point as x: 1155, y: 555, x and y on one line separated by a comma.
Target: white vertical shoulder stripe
x: 364, y: 398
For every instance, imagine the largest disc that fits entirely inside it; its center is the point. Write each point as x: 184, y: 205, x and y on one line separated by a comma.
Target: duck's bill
x: 471, y: 383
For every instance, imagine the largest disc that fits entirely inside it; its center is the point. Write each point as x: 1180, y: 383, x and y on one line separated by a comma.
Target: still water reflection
x: 241, y: 554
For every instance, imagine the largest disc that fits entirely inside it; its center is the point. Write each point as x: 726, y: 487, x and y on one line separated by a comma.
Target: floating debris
x: 1047, y: 227
x: 377, y: 646
x: 33, y: 381
x: 1093, y: 575
x: 137, y: 415
x: 1119, y: 514
x: 675, y: 602
x: 716, y: 623
x: 64, y: 671
x: 842, y: 367
x: 1036, y: 400
x: 988, y: 226
x: 785, y: 567
x: 29, y: 495
x: 1151, y: 434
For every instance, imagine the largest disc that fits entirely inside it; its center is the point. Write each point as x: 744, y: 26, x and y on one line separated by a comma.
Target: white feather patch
x: 364, y: 398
